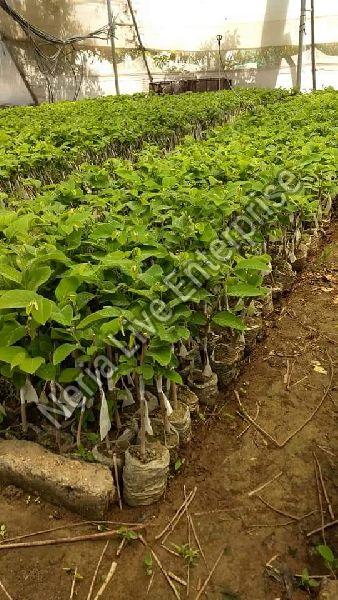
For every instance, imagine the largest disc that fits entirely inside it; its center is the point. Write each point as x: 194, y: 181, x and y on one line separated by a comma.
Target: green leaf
x: 30, y: 365
x: 226, y: 318
x: 67, y: 288
x: 173, y: 376
x: 257, y: 263
x: 10, y: 273
x: 111, y: 328
x: 47, y: 372
x: 152, y: 276
x: 17, y: 298
x: 10, y: 354
x: 326, y: 553
x: 11, y: 333
x: 69, y: 375
x: 162, y: 354
x: 62, y: 352
x: 41, y: 310
x: 35, y: 278
x: 100, y: 315
x: 147, y: 371
x: 64, y: 316
x: 244, y: 290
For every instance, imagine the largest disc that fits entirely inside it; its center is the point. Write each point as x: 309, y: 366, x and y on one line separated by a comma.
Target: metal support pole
x: 140, y: 40
x: 313, y: 47
x: 113, y: 47
x: 219, y: 39
x: 301, y: 41
x: 19, y: 69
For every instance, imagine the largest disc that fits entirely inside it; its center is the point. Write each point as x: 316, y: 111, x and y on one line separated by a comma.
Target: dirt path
x: 224, y: 467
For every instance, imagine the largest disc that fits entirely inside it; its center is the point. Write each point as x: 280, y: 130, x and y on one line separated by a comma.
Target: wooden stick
x: 292, y: 522
x: 97, y: 570
x: 248, y: 426
x: 117, y: 481
x: 189, y: 540
x: 164, y: 572
x: 176, y: 578
x: 198, y: 542
x: 5, y: 591
x: 277, y: 510
x: 332, y: 524
x: 299, y: 381
x: 327, y: 499
x: 173, y: 522
x: 320, y: 503
x: 181, y: 508
x: 72, y: 590
x: 67, y: 526
x: 314, y: 412
x: 171, y: 551
x: 106, y: 581
x: 187, y: 503
x: 68, y: 540
x: 264, y: 485
x: 201, y: 592
x: 251, y: 420
x: 150, y: 582
x: 121, y: 546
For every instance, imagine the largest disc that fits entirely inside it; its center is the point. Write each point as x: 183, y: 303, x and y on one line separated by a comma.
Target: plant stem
x: 173, y: 391
x: 142, y: 400
x: 79, y: 427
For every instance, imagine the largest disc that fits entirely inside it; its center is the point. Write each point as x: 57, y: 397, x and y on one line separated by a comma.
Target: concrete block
x: 86, y: 488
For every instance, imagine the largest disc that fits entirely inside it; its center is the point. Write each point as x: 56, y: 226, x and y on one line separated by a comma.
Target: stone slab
x: 85, y: 488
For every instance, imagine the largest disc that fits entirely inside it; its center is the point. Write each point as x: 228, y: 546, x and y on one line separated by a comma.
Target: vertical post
x: 18, y: 67
x: 301, y: 41
x: 219, y: 39
x: 113, y: 48
x: 140, y: 40
x: 313, y: 47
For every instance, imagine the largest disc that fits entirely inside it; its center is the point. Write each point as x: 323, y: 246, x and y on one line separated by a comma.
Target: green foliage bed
x: 111, y: 252
x: 46, y: 142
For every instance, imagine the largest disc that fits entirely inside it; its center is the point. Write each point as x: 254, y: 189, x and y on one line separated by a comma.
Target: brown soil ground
x: 225, y: 468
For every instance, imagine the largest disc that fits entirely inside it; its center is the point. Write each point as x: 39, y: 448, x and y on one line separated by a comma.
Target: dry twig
x: 67, y: 526
x: 106, y: 581
x: 247, y: 417
x: 72, y: 590
x: 203, y: 588
x: 5, y: 591
x: 248, y: 426
x: 332, y: 524
x: 97, y: 570
x: 277, y: 510
x: 176, y: 578
x: 68, y: 540
x: 320, y: 502
x: 327, y: 499
x: 117, y: 481
x: 264, y: 485
x: 198, y: 542
x: 164, y: 572
x: 319, y: 405
x: 171, y: 526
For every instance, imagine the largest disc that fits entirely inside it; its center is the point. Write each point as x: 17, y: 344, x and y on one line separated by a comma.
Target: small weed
x: 148, y: 563
x: 127, y: 534
x: 306, y: 581
x: 330, y: 560
x: 179, y: 464
x: 84, y: 454
x: 189, y: 554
